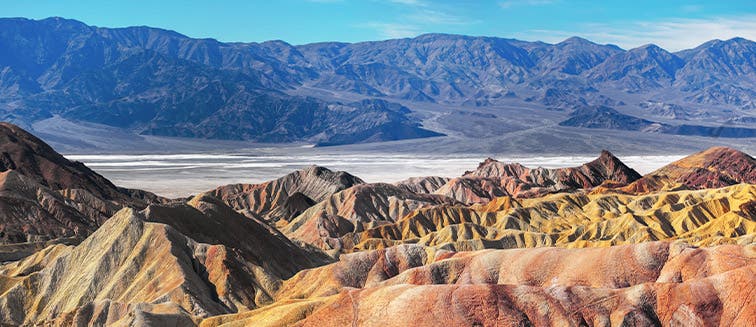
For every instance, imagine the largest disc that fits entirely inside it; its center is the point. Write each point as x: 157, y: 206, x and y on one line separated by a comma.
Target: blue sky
x: 671, y: 24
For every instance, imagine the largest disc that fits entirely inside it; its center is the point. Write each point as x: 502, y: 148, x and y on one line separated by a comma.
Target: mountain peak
x: 576, y: 40
x: 32, y: 157
x: 716, y: 157
x: 649, y: 48
x: 711, y: 168
x: 612, y: 168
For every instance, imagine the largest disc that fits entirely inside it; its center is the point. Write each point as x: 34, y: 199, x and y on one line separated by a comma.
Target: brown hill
x: 270, y: 200
x: 711, y: 168
x: 32, y: 212
x: 658, y: 283
x: 493, y: 179
x: 44, y: 196
x: 356, y: 209
x: 170, y: 264
x: 428, y: 184
x: 703, y: 217
x: 33, y: 158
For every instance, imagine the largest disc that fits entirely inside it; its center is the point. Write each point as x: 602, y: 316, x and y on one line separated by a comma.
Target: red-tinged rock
x: 712, y: 168
x: 494, y: 179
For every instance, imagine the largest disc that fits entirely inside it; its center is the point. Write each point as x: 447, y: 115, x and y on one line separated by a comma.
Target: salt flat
x: 183, y: 174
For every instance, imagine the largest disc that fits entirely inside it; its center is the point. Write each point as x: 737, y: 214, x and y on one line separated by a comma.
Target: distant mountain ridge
x: 159, y: 82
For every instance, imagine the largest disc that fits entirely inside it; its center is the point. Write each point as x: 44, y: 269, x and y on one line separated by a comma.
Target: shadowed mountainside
x: 286, y: 197
x: 44, y: 196
x: 337, y: 93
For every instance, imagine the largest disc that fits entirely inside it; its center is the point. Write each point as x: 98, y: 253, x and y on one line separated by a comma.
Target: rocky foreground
x: 502, y: 245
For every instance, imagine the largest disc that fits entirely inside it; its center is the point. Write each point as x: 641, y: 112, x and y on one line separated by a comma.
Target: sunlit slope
x: 166, y: 265
x: 700, y: 217
x: 654, y: 283
x: 711, y: 168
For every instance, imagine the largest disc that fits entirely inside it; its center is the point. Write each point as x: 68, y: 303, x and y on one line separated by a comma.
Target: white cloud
x: 409, y: 2
x: 419, y: 17
x: 394, y: 30
x: 672, y: 34
x: 435, y: 17
x: 514, y: 3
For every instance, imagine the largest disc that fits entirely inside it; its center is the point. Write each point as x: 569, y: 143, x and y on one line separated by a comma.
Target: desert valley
x: 502, y: 244
x: 378, y: 163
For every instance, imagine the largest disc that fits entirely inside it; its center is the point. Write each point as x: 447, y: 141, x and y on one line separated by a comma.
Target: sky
x: 673, y: 25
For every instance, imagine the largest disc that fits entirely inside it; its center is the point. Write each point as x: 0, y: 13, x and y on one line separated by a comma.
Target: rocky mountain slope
x: 122, y: 78
x: 705, y: 217
x: 711, y: 168
x: 658, y: 283
x: 494, y: 179
x: 286, y: 197
x: 44, y: 196
x: 328, y: 93
x: 136, y: 269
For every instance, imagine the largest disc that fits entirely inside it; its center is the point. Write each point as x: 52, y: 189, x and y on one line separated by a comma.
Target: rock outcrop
x: 139, y: 269
x: 44, y: 196
x: 658, y: 283
x: 428, y: 184
x: 356, y: 209
x: 286, y: 197
x: 493, y: 179
x: 711, y: 168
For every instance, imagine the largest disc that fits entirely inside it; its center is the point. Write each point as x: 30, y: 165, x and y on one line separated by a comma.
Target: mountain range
x: 152, y: 81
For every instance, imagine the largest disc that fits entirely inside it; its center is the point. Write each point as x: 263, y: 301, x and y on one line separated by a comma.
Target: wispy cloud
x: 421, y: 16
x: 394, y: 30
x: 436, y: 17
x: 515, y: 3
x: 409, y: 2
x: 672, y: 34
